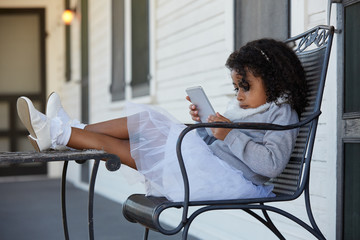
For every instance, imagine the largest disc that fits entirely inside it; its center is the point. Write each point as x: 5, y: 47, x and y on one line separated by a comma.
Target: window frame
x: 128, y: 66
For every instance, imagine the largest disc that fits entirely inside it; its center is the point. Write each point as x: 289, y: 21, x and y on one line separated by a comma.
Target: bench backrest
x: 313, y: 49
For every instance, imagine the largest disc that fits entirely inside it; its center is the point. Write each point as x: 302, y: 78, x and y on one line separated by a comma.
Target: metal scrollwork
x: 319, y: 37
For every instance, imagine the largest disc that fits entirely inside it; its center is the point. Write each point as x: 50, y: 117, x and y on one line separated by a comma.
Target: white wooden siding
x: 190, y: 41
x: 191, y: 49
x: 190, y: 44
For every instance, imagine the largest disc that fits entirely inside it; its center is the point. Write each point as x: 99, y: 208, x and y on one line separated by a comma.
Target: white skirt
x: 153, y: 135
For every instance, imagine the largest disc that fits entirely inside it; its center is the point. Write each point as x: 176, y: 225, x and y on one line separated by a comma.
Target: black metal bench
x: 112, y: 164
x: 313, y: 48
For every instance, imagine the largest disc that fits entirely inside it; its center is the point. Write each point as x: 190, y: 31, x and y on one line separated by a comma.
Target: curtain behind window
x: 256, y: 19
x: 118, y: 54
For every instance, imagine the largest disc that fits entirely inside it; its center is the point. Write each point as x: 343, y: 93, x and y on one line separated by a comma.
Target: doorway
x: 22, y: 72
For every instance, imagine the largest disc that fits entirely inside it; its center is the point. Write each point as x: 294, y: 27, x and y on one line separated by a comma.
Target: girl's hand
x: 194, y: 113
x: 219, y: 133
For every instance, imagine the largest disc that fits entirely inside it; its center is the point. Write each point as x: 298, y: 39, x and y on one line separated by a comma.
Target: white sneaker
x: 36, y: 123
x: 55, y: 109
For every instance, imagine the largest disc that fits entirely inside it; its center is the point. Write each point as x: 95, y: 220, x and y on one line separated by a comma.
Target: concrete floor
x: 31, y: 209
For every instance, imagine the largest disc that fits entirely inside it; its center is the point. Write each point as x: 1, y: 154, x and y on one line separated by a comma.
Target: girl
x: 270, y: 87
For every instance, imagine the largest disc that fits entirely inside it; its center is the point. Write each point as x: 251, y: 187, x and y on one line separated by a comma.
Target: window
x: 352, y: 58
x: 140, y: 47
x: 257, y: 19
x: 118, y: 47
x: 138, y: 81
x: 351, y: 191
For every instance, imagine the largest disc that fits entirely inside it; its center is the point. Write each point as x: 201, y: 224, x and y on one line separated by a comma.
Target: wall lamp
x: 68, y: 16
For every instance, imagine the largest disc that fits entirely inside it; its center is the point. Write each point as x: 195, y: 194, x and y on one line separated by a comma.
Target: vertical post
x: 63, y: 200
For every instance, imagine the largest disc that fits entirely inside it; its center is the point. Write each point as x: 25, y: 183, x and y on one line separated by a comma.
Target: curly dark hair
x: 279, y: 68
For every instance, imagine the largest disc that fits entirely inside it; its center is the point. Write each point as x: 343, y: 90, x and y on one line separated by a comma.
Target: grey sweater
x: 259, y: 154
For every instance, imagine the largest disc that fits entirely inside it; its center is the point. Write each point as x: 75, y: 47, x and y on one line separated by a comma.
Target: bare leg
x: 116, y: 128
x: 83, y: 139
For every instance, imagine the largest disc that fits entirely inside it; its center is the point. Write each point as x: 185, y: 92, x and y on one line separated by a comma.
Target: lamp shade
x: 68, y: 16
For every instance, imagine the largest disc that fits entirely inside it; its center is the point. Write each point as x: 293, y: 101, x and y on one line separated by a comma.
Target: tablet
x: 199, y: 98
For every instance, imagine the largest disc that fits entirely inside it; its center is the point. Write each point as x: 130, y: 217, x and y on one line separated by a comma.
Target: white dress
x: 153, y: 135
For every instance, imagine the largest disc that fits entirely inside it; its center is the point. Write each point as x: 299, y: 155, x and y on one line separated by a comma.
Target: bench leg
x: 146, y: 234
x: 63, y: 200
x: 91, y: 198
